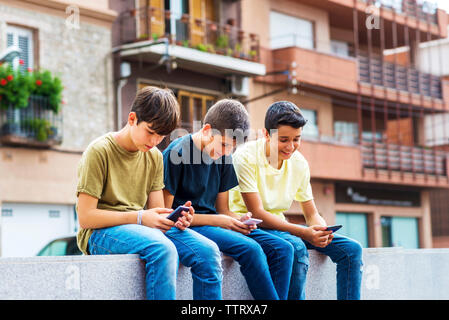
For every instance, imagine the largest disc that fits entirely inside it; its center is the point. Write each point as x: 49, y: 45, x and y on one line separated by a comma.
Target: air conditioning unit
x: 238, y: 85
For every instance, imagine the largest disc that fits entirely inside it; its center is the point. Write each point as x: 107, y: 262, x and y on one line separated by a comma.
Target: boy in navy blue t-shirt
x: 198, y: 167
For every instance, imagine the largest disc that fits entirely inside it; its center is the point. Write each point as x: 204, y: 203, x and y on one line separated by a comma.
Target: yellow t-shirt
x: 277, y: 188
x: 119, y: 179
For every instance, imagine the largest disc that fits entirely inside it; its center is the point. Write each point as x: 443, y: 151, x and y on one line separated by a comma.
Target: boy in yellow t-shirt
x: 271, y: 174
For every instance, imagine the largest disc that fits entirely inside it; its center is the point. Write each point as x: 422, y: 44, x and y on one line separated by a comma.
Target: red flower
x: 29, y: 70
x: 38, y: 82
x: 21, y: 62
x: 10, y: 77
x: 3, y: 82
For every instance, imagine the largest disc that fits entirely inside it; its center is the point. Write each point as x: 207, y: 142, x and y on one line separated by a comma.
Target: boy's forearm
x: 200, y: 219
x: 270, y: 221
x: 97, y: 218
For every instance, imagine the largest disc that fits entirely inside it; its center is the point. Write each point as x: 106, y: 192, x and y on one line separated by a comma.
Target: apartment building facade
x: 39, y: 147
x: 196, y: 48
x: 369, y: 142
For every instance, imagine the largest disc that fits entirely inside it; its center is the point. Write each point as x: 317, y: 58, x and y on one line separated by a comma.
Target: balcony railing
x: 36, y: 125
x: 403, y: 158
x: 420, y: 9
x: 398, y: 77
x: 151, y: 23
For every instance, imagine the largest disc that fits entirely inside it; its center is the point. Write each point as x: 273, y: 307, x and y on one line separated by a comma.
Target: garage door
x: 27, y: 228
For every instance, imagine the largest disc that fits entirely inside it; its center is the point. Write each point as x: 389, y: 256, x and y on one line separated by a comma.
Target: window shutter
x: 23, y: 39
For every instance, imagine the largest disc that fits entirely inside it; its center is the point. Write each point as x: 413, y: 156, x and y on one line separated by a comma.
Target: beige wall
x: 37, y: 176
x: 261, y: 9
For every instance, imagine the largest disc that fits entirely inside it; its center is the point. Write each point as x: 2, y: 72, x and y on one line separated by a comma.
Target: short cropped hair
x: 228, y: 115
x: 158, y: 107
x: 283, y: 113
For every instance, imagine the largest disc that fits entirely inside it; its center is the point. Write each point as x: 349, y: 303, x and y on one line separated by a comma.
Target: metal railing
x: 420, y: 9
x: 403, y: 158
x: 398, y: 77
x: 34, y: 125
x: 151, y: 23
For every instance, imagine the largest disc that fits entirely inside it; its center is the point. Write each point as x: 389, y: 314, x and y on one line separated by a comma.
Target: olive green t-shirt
x: 119, y: 179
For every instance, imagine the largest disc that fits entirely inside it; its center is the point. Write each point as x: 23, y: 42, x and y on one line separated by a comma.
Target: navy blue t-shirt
x: 192, y: 175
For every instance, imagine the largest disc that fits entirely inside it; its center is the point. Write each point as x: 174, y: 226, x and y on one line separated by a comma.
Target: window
x: 355, y: 226
x: 400, y: 232
x: 346, y: 132
x: 193, y: 109
x: 288, y: 31
x: 340, y: 48
x: 23, y: 39
x: 310, y: 130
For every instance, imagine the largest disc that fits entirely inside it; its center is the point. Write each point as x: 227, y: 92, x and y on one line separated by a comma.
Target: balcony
x: 34, y: 126
x: 374, y: 162
x: 404, y: 159
x: 375, y: 71
x: 194, y: 43
x: 314, y: 68
x: 423, y: 10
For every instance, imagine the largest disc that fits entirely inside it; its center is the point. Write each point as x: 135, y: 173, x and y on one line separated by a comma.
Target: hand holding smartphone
x: 334, y: 228
x: 251, y: 221
x: 176, y: 214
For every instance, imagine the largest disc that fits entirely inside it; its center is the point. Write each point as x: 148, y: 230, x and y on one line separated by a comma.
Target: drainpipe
x: 125, y: 70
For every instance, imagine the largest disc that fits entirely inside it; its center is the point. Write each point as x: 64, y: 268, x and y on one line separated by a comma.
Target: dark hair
x: 283, y: 113
x: 228, y: 114
x: 158, y: 107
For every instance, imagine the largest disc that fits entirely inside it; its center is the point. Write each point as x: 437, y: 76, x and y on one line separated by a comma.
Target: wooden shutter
x: 197, y: 13
x: 400, y: 132
x: 152, y: 23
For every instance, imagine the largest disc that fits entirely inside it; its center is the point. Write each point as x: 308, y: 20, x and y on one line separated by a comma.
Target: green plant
x: 201, y: 47
x: 155, y: 36
x: 44, y: 84
x: 210, y: 48
x: 17, y: 86
x: 185, y: 43
x: 238, y: 47
x: 41, y: 128
x: 222, y: 41
x: 14, y: 87
x: 229, y: 52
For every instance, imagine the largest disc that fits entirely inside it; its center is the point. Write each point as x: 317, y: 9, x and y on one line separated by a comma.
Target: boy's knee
x: 287, y: 249
x: 355, y: 250
x: 253, y: 249
x: 159, y: 252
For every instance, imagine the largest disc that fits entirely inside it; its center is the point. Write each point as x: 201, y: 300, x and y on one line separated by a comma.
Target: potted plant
x: 253, y: 54
x: 201, y: 47
x: 222, y: 43
x: 25, y: 96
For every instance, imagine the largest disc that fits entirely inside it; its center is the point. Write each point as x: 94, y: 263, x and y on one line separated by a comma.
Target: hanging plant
x: 16, y: 87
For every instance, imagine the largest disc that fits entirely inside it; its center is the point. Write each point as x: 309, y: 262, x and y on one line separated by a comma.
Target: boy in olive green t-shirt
x: 120, y: 174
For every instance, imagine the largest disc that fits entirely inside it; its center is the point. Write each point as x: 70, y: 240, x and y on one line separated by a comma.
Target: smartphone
x: 334, y: 228
x: 251, y: 221
x: 174, y: 216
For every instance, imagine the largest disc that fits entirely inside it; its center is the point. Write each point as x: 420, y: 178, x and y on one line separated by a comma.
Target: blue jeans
x: 160, y: 254
x: 265, y: 260
x: 343, y: 251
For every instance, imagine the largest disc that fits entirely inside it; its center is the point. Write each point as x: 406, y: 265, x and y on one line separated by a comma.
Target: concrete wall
x: 389, y: 274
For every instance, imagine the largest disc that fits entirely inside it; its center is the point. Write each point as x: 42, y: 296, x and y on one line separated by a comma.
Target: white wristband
x: 139, y: 217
